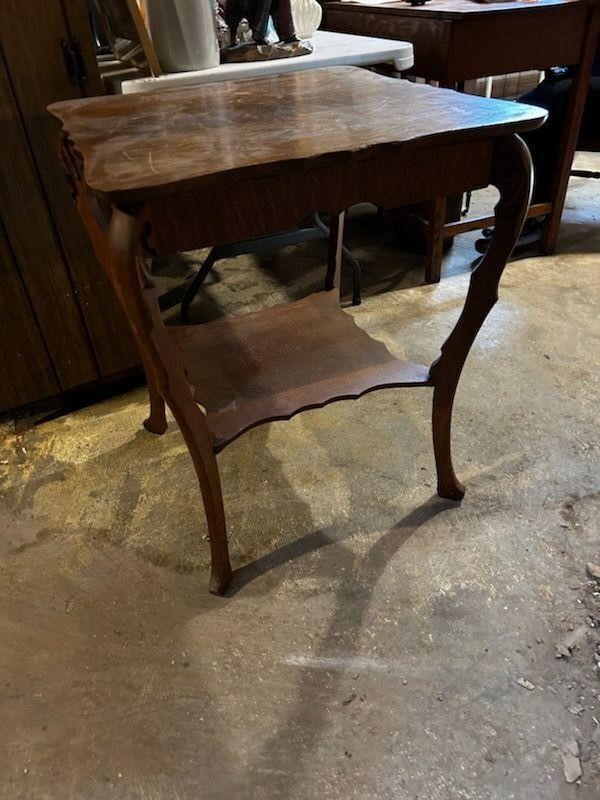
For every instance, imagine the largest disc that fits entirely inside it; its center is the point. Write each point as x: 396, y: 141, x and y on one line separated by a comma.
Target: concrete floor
x: 378, y: 643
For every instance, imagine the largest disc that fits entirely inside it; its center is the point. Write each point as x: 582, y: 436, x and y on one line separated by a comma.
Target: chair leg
x: 157, y: 420
x: 350, y: 258
x: 334, y: 252
x: 435, y: 240
x: 356, y: 276
x: 197, y: 282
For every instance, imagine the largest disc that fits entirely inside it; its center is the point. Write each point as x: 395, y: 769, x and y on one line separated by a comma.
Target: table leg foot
x: 455, y: 492
x: 220, y: 581
x: 448, y: 486
x: 157, y: 419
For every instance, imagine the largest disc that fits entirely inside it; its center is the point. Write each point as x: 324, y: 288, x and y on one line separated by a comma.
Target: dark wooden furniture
x: 153, y: 174
x: 456, y: 40
x: 61, y: 326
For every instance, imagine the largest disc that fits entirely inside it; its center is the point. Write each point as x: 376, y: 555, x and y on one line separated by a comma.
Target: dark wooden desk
x: 161, y: 172
x: 456, y: 40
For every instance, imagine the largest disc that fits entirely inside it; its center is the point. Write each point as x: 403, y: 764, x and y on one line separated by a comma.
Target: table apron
x: 488, y: 46
x: 230, y: 212
x: 476, y: 46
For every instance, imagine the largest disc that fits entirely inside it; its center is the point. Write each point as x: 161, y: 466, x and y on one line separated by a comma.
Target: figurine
x: 257, y: 12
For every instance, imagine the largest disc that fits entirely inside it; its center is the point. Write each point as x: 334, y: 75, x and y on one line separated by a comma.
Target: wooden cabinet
x: 61, y: 326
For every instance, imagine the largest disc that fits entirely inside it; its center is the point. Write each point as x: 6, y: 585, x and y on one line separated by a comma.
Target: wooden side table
x: 456, y: 40
x: 209, y: 165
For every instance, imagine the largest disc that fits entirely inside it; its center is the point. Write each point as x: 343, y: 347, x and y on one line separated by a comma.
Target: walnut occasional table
x: 183, y: 169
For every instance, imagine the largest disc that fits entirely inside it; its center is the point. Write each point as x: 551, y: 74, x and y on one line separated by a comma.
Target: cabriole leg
x: 166, y: 379
x: 207, y: 471
x: 512, y: 175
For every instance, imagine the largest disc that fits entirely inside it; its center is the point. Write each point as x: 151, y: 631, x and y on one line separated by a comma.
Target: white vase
x: 307, y: 15
x: 184, y: 34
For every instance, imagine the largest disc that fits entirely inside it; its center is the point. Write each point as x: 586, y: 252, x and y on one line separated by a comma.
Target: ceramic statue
x: 257, y: 13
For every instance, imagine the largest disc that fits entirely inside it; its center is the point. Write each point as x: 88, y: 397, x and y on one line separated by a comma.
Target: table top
x: 330, y: 49
x: 451, y: 9
x: 140, y: 146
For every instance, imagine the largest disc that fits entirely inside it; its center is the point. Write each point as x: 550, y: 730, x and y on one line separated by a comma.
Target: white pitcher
x: 184, y: 34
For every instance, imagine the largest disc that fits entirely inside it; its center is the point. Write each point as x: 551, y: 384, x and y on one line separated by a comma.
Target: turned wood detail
x: 512, y: 175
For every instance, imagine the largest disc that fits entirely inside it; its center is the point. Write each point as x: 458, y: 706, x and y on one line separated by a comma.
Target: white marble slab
x: 330, y: 49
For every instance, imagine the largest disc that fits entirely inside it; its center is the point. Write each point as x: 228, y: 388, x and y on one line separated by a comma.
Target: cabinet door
x: 31, y: 33
x: 37, y: 251
x: 26, y: 372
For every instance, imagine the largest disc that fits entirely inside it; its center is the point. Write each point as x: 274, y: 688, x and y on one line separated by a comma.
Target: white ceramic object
x: 184, y: 34
x: 307, y: 16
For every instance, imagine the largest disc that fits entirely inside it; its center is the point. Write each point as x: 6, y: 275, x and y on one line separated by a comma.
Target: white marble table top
x: 330, y: 49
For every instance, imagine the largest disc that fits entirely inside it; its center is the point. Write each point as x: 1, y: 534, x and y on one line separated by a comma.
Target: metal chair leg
x: 251, y: 246
x: 197, y: 282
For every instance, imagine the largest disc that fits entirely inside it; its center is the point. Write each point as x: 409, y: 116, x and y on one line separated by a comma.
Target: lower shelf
x: 273, y: 363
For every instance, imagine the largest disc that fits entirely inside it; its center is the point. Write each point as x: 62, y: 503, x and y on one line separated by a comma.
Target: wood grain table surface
x: 136, y: 146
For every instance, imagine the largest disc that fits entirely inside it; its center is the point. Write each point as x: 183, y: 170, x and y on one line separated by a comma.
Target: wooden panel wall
x: 82, y: 327
x: 26, y: 371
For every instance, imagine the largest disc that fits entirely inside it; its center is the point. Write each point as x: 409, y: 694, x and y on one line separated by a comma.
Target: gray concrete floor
x: 377, y: 639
